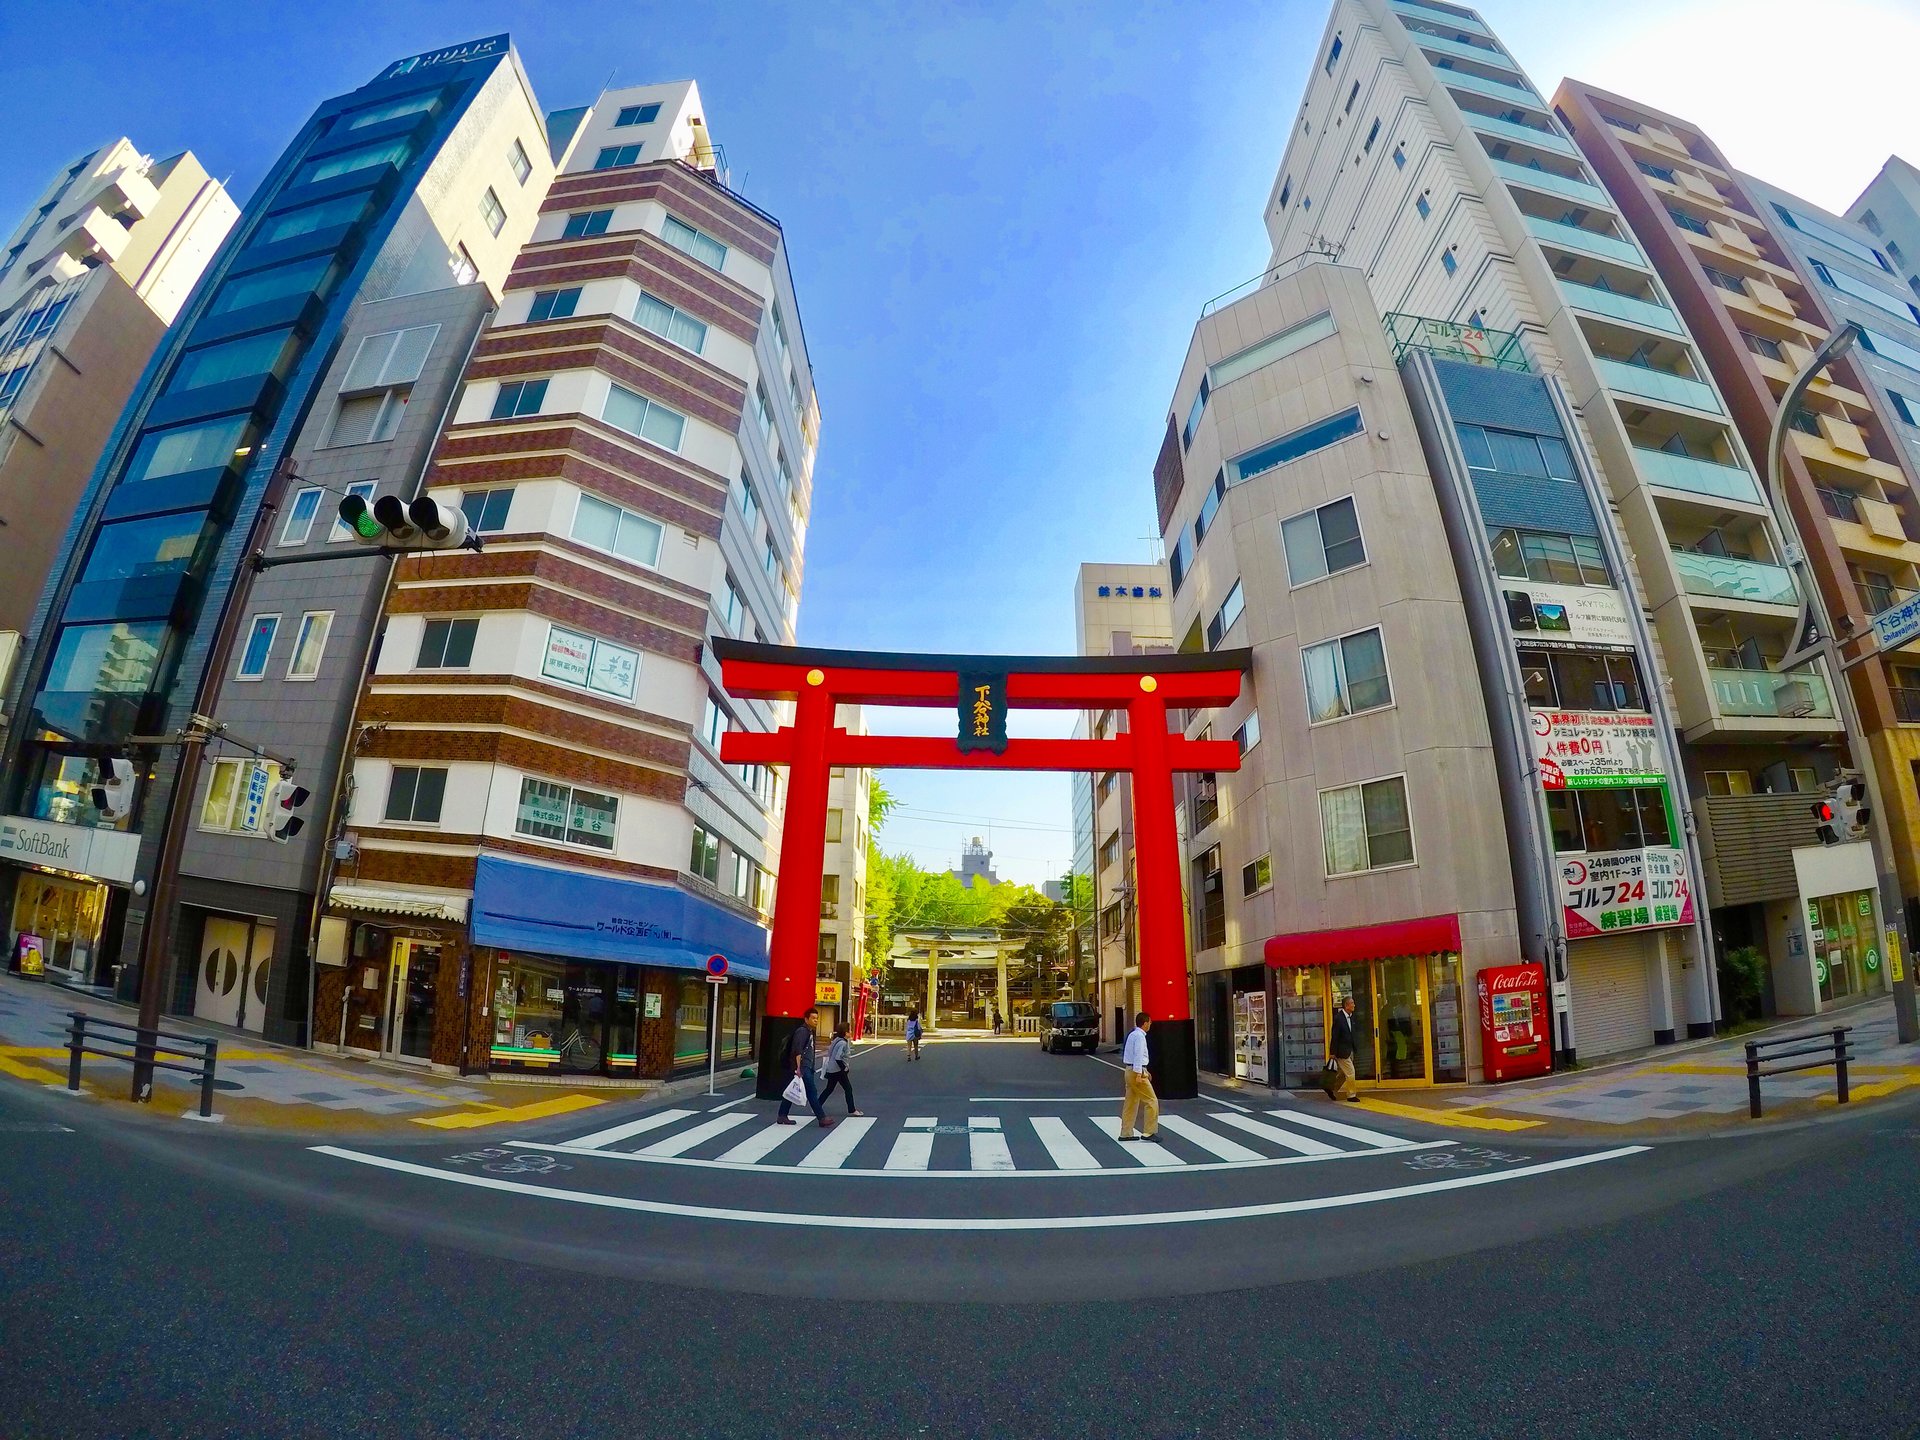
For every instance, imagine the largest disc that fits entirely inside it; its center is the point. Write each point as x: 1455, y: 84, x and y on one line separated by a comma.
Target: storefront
x: 596, y: 975
x: 1409, y: 1014
x: 1838, y: 947
x: 60, y: 896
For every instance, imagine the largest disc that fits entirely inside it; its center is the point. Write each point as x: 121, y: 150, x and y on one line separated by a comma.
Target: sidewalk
x: 267, y: 1086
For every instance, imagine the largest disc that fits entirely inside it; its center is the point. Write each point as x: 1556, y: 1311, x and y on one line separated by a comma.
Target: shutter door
x: 1611, y: 1008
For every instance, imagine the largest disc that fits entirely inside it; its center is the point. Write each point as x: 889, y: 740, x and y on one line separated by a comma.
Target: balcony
x: 1524, y: 134
x: 1433, y: 15
x: 1480, y: 85
x: 1732, y: 578
x: 1697, y: 477
x: 1764, y: 694
x: 1562, y: 185
x: 1595, y: 301
x: 1656, y: 385
x: 1585, y: 242
x: 1479, y: 54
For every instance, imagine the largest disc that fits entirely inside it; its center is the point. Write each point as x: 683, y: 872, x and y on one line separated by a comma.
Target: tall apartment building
x: 1888, y: 210
x: 1117, y: 610
x: 89, y: 281
x: 1761, y: 280
x: 1300, y: 522
x: 536, y: 771
x: 347, y: 294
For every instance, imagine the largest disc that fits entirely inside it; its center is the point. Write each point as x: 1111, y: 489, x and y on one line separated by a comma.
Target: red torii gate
x: 1145, y: 687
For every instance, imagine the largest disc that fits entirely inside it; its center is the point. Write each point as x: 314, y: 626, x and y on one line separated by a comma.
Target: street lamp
x: 1813, y: 635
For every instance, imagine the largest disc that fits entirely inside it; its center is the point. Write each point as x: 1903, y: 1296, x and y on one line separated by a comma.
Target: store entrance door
x: 413, y: 984
x: 1402, y: 1025
x: 1356, y: 981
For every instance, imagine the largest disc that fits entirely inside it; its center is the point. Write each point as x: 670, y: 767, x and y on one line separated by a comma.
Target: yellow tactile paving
x: 472, y: 1119
x: 1461, y: 1118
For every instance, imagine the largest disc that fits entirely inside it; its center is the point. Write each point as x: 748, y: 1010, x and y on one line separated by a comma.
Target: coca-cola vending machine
x: 1516, y: 1022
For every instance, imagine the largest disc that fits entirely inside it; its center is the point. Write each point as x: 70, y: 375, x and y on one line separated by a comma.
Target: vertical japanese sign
x: 983, y: 712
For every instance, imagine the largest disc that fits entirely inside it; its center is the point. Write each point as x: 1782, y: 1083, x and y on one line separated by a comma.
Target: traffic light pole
x: 1893, y: 907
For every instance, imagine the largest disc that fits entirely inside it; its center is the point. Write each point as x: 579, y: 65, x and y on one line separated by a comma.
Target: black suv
x: 1070, y: 1025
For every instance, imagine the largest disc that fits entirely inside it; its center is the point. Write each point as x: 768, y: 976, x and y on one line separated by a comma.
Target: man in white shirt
x: 1140, y: 1094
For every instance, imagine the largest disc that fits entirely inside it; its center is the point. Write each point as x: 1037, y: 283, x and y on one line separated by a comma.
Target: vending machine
x: 1516, y: 1022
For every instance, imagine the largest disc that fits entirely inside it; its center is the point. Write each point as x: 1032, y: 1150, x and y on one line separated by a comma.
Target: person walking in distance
x: 913, y: 1035
x: 1341, y: 1044
x: 1140, y: 1096
x: 994, y: 1011
x: 799, y: 1057
x: 838, y: 1072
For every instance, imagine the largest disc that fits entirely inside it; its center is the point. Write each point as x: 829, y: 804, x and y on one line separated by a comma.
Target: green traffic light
x: 367, y: 527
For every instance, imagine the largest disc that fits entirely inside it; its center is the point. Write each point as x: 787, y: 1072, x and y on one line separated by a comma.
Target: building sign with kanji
x: 983, y: 712
x: 1588, y: 750
x: 1613, y: 890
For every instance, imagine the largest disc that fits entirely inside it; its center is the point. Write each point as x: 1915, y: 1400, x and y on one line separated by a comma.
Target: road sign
x: 716, y: 965
x: 1872, y: 961
x: 1896, y: 966
x: 1896, y: 626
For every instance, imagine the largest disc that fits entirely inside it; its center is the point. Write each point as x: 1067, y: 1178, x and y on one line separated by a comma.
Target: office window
x: 1352, y: 95
x: 748, y: 499
x: 1373, y: 134
x: 636, y: 115
x: 648, y: 419
x: 391, y: 110
x: 714, y: 722
x: 1628, y: 818
x: 309, y: 644
x: 518, y: 162
x: 415, y: 793
x: 705, y: 860
x: 253, y: 659
x: 341, y: 531
x: 1194, y: 412
x: 1420, y: 204
x: 486, y: 510
x: 256, y: 355
x: 1288, y: 448
x: 770, y: 561
x: 732, y: 607
x: 1580, y: 680
x: 1248, y: 735
x: 493, y: 212
x: 236, y: 790
x: 1513, y: 452
x: 150, y: 547
x: 1322, y: 542
x: 1729, y: 782
x: 1865, y: 293
x: 1548, y: 558
x: 201, y: 446
x: 835, y: 823
x: 619, y: 532
x: 554, y: 304
x: 1688, y: 222
x: 1903, y: 407
x: 684, y: 237
x: 519, y: 397
x: 447, y: 645
x: 749, y: 884
x: 1179, y: 558
x: 551, y: 811
x: 1290, y: 341
x: 1447, y: 262
x: 611, y: 157
x: 1657, y: 172
x: 1346, y: 676
x: 586, y: 222
x: 590, y: 664
x: 1223, y: 619
x: 1333, y: 54
x: 343, y: 210
x: 1256, y: 876
x: 1210, y: 506
x: 306, y: 504
x: 1366, y: 827
x: 1890, y: 349
x: 1286, y: 190
x: 1399, y: 157
x: 348, y: 162
x: 1765, y: 348
x: 1828, y: 235
x: 261, y: 287
x: 652, y: 313
x: 368, y: 419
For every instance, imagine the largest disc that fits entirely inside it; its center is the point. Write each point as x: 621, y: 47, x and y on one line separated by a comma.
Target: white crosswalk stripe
x: 832, y: 1152
x: 762, y: 1143
x: 1375, y: 1138
x: 1141, y: 1152
x: 913, y: 1147
x: 600, y: 1139
x: 1215, y: 1145
x: 1065, y: 1151
x: 688, y: 1139
x: 987, y: 1143
x: 1285, y: 1139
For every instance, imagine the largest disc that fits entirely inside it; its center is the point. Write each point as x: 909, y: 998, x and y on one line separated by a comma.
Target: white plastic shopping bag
x: 796, y: 1091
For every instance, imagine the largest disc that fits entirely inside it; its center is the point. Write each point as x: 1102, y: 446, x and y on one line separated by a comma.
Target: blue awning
x: 602, y: 917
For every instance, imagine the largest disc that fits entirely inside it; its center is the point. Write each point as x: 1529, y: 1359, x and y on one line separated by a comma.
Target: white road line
x: 1041, y: 1099
x: 731, y: 1103
x: 987, y: 1144
x: 1141, y: 1152
x: 698, y: 1135
x: 1217, y: 1146
x: 913, y: 1146
x: 600, y: 1139
x: 1274, y: 1135
x: 1111, y: 1065
x: 1216, y: 1100
x: 1067, y: 1152
x: 803, y: 1220
x: 832, y: 1152
x: 755, y: 1148
x: 1377, y: 1138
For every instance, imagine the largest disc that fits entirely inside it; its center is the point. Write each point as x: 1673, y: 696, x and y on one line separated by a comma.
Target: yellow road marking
x: 1459, y: 1118
x: 26, y: 1072
x: 470, y: 1119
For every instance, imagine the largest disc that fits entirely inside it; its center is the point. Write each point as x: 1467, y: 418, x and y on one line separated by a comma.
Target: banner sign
x: 1566, y: 615
x: 983, y: 712
x: 1895, y: 627
x: 1613, y: 890
x: 78, y: 849
x: 1588, y: 750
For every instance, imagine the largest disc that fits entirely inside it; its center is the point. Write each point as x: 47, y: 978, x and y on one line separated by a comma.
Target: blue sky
x: 1003, y: 220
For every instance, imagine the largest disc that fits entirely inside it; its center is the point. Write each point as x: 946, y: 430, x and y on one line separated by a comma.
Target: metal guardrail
x: 145, y: 1047
x: 1834, y: 1049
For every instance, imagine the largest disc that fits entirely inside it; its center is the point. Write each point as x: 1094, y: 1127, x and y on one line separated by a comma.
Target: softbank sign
x: 452, y: 55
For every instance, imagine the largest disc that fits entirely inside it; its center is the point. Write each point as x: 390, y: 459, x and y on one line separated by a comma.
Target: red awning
x: 1366, y: 942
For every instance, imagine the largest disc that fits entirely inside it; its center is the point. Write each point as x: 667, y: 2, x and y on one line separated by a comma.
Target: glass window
x: 1209, y: 507
x: 1473, y: 444
x: 306, y: 504
x: 652, y: 313
x: 415, y: 793
x: 200, y: 446
x: 486, y: 510
x: 611, y: 157
x: 343, y: 210
x: 636, y: 115
x: 1507, y: 559
x: 309, y: 644
x: 519, y: 397
x: 142, y: 549
x: 349, y: 162
x: 1256, y: 876
x: 554, y: 304
x: 592, y: 819
x: 586, y: 222
x: 705, y: 861
x: 1827, y: 234
x: 1366, y: 827
x: 267, y: 354
x: 637, y: 415
x: 1194, y: 412
x: 1558, y: 458
x: 1275, y: 453
x: 596, y: 523
x: 1179, y: 558
x: 1275, y: 347
x: 368, y: 419
x: 553, y: 811
x: 608, y: 527
x: 391, y: 110
x: 1760, y: 345
x: 703, y: 248
x: 1550, y: 558
x: 1246, y: 737
x: 1346, y: 676
x: 1563, y: 813
x: 517, y: 160
x: 253, y: 659
x: 493, y: 212
x: 447, y: 644
x: 1515, y: 454
x: 690, y: 1023
x: 1229, y: 612
x: 118, y: 658
x: 1322, y: 542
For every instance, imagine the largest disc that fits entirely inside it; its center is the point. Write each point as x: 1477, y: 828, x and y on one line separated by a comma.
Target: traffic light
x: 1851, y: 811
x: 1823, y: 828
x: 282, y: 822
x: 113, y: 796
x: 421, y: 524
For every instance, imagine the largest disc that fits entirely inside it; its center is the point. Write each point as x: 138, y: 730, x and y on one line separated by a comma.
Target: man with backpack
x: 799, y: 1058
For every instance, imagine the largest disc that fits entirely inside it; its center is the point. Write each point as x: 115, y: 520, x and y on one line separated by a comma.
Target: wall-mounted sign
x: 983, y: 712
x: 590, y: 664
x: 1567, y: 615
x: 452, y: 55
x: 1121, y: 592
x: 826, y: 992
x: 1585, y: 749
x: 103, y: 854
x: 1612, y: 890
x: 1897, y: 626
x: 653, y: 1006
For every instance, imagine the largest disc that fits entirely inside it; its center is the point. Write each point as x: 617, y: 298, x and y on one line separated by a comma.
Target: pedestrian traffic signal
x: 1823, y: 826
x: 394, y: 524
x: 1851, y: 811
x: 113, y: 796
x: 282, y: 821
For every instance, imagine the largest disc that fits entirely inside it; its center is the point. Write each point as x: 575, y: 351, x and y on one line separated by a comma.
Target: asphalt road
x: 174, y: 1280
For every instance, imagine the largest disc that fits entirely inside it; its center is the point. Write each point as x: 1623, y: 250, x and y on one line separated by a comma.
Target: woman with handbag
x: 839, y: 1073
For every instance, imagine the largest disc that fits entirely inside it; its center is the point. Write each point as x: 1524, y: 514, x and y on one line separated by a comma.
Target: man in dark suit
x: 1341, y: 1044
